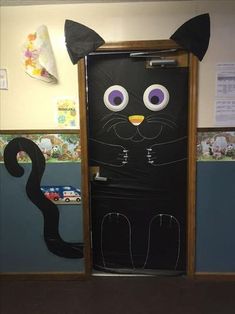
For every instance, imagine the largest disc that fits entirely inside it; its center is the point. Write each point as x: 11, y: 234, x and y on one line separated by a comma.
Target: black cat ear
x: 80, y: 40
x: 194, y: 35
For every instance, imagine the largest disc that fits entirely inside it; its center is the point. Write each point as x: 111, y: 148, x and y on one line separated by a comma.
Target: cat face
x: 133, y: 103
x: 137, y: 127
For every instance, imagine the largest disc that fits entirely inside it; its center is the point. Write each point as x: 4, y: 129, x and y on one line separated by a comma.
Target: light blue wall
x: 215, y: 217
x: 22, y: 247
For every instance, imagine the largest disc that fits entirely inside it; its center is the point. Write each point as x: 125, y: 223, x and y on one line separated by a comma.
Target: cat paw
x: 122, y: 157
x: 125, y: 156
x: 108, y: 154
x: 150, y: 156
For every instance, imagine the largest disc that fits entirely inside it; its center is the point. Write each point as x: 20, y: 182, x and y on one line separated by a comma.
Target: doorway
x: 137, y: 119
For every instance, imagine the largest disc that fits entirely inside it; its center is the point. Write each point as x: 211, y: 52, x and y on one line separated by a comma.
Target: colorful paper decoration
x: 38, y: 57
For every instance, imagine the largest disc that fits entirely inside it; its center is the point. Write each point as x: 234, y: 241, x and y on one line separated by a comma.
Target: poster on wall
x: 225, y: 95
x: 55, y: 147
x: 216, y: 145
x: 62, y: 194
x: 3, y: 79
x: 38, y: 57
x: 66, y: 113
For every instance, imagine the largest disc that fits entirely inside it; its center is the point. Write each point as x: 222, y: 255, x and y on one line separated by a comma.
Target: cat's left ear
x: 194, y: 35
x: 80, y: 40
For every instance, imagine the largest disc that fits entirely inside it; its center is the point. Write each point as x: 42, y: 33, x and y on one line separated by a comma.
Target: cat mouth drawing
x: 137, y: 128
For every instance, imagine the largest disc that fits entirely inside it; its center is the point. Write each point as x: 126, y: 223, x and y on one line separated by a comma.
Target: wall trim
x: 43, y: 276
x: 43, y: 131
x: 216, y: 129
x: 218, y: 276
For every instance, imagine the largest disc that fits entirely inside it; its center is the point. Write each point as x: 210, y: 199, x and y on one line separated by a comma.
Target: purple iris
x: 156, y: 96
x: 115, y: 97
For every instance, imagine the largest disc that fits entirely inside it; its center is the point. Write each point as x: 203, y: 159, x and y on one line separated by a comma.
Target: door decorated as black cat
x: 138, y: 141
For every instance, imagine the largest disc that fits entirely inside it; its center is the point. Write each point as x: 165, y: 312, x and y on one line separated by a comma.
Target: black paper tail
x: 49, y: 210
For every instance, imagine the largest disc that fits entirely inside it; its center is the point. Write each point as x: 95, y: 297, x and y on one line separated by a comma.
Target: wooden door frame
x: 150, y: 45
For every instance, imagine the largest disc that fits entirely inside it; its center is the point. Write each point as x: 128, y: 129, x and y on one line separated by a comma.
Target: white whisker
x: 110, y: 121
x: 159, y: 119
x: 161, y: 115
x: 164, y: 123
x: 168, y: 163
x: 115, y: 114
x: 170, y: 142
x: 114, y: 125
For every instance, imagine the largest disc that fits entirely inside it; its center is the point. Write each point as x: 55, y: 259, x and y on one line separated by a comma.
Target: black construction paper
x: 49, y: 210
x: 138, y: 139
x: 80, y: 40
x: 194, y: 35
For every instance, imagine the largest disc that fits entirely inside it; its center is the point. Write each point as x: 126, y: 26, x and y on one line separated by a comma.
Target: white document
x: 225, y: 95
x: 225, y: 113
x: 3, y: 79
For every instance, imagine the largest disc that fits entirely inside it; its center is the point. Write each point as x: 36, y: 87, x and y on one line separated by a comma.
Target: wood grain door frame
x: 151, y: 45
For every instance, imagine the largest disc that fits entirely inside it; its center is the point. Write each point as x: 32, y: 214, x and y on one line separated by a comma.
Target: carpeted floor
x: 118, y: 295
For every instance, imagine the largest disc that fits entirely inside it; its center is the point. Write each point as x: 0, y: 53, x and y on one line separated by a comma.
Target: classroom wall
x: 215, y: 241
x: 22, y: 245
x: 29, y: 103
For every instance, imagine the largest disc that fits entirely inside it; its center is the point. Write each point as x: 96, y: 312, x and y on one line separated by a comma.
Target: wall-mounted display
x: 61, y: 147
x: 3, y: 79
x: 225, y: 95
x: 216, y: 145
x: 66, y: 114
x: 62, y: 194
x: 38, y: 57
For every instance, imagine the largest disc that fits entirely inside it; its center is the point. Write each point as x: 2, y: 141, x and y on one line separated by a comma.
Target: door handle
x: 95, y: 174
x: 97, y: 177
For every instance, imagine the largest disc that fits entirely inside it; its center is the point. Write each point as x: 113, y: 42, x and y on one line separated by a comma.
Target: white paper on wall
x: 38, y: 57
x: 3, y: 79
x: 225, y: 95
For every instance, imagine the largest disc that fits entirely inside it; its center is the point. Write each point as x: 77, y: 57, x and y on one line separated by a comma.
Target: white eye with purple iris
x: 116, y: 98
x: 156, y: 97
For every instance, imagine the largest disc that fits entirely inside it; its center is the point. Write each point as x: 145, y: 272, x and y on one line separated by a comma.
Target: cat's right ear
x: 194, y: 35
x: 80, y: 40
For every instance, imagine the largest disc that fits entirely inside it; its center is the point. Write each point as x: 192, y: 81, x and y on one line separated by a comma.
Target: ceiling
x: 40, y: 2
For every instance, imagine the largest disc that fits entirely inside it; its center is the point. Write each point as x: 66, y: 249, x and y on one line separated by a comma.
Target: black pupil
x: 117, y: 101
x: 154, y: 100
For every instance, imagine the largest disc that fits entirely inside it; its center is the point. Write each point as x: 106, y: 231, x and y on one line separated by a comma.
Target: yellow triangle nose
x: 136, y: 119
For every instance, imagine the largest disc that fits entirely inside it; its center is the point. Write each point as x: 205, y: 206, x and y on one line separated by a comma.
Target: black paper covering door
x: 138, y: 141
